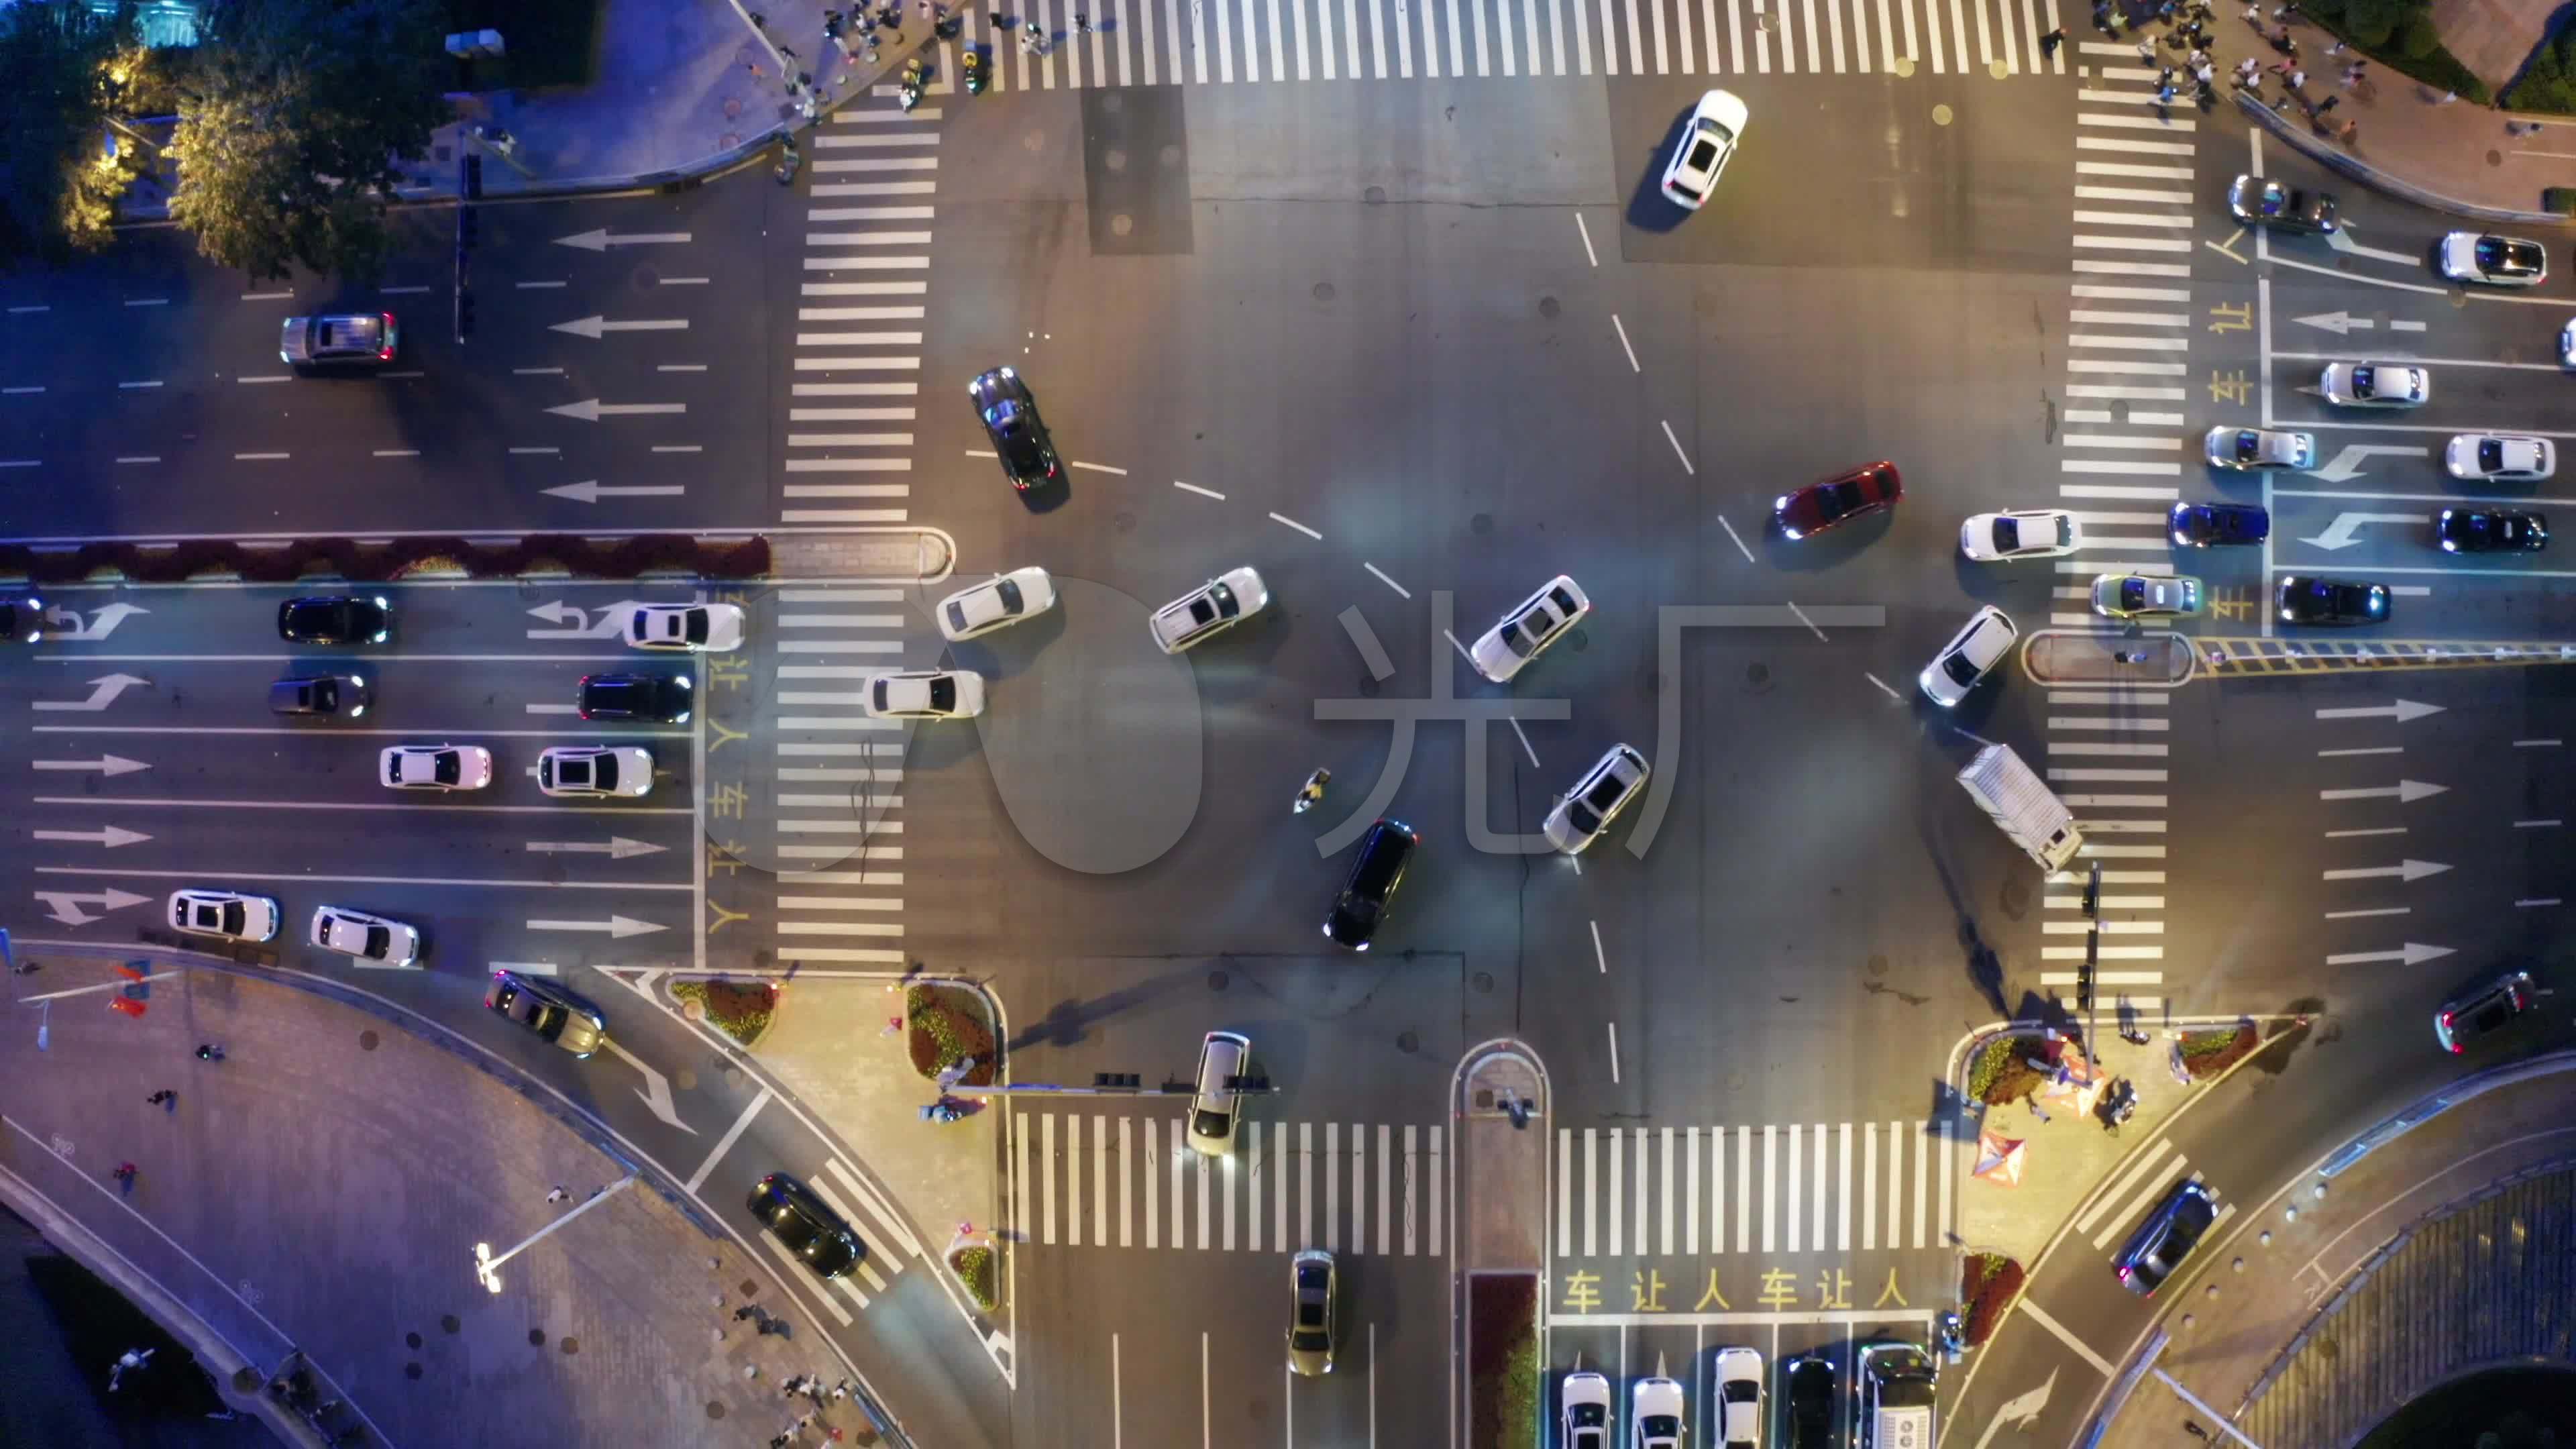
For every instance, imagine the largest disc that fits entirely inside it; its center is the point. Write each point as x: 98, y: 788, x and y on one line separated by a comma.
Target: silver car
x: 369, y: 938
x: 1209, y: 610
x: 593, y: 771
x: 2375, y: 384
x: 1582, y: 813
x: 554, y: 1014
x: 2260, y: 449
x: 365, y: 339
x: 1525, y: 633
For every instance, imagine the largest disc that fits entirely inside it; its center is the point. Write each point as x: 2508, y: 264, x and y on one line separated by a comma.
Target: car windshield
x: 1660, y: 1426
x: 2365, y: 383
x: 1206, y: 1122
x: 695, y: 621
x: 1834, y: 500
x: 447, y: 767
x: 2007, y: 535
x: 2348, y: 598
x: 943, y: 693
x: 2066, y: 531
x: 1739, y: 1391
x: 2490, y: 454
x: 1604, y: 793
x: 1704, y: 151
x: 322, y: 694
x: 1008, y: 591
x: 2133, y: 593
x: 2249, y: 445
x: 956, y: 614
x: 1582, y: 816
x: 1207, y: 607
x: 380, y: 942
x: 603, y: 771
x: 235, y: 919
x: 1020, y: 441
x: 1588, y: 1416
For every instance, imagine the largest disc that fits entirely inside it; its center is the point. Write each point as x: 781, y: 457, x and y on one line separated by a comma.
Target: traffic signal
x: 2084, y: 975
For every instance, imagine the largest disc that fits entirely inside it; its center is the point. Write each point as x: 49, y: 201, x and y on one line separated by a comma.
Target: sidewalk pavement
x: 2259, y: 1289
x: 325, y: 1185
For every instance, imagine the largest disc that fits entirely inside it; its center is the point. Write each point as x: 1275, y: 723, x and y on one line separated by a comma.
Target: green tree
x: 2372, y: 22
x: 294, y: 124
x: 59, y: 75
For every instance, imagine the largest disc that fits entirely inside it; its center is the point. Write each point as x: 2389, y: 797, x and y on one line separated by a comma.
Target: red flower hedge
x: 1988, y: 1283
x: 626, y: 557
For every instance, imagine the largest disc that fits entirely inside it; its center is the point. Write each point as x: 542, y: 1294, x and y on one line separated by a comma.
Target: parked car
x: 1739, y: 1398
x: 22, y: 620
x: 2497, y: 261
x: 553, y: 1013
x: 332, y: 696
x: 363, y: 339
x: 1810, y: 1391
x: 2259, y: 449
x: 1970, y: 655
x: 1582, y: 813
x: 660, y: 698
x: 2491, y: 530
x: 595, y: 771
x: 1010, y: 418
x: 1311, y: 1291
x: 2375, y: 384
x: 996, y: 603
x: 2220, y: 525
x: 2145, y: 596
x: 1583, y: 1411
x: 2171, y: 1230
x: 2304, y: 600
x: 1526, y: 632
x: 2484, y: 1012
x: 926, y: 694
x: 695, y: 628
x: 1706, y: 145
x: 1209, y: 610
x: 805, y: 1225
x: 231, y: 915
x: 434, y: 767
x: 1832, y: 502
x: 2020, y: 533
x: 1655, y: 1414
x: 2499, y: 458
x: 336, y: 619
x: 1218, y: 1107
x: 2259, y: 202
x: 2567, y: 344
x: 1375, y: 873
x: 369, y: 938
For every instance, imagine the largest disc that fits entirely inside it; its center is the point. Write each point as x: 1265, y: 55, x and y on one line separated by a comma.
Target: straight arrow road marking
x: 111, y: 837
x: 103, y: 692
x: 2403, y: 790
x: 591, y: 409
x: 65, y: 906
x: 2408, y: 869
x: 2021, y: 1411
x: 594, y: 326
x: 619, y: 927
x: 2344, y: 243
x: 527, y: 968
x: 104, y: 764
x: 656, y: 1091
x: 592, y: 492
x: 2413, y: 955
x: 616, y: 847
x: 2401, y: 711
x: 602, y: 239
x: 2337, y: 323
x: 2345, y: 531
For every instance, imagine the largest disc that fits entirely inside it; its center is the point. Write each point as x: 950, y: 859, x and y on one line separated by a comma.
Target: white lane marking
x: 1524, y: 739
x: 2083, y: 1351
x: 1598, y: 958
x: 725, y: 1143
x: 1810, y: 623
x: 1589, y: 254
x: 1620, y: 327
x: 1292, y: 523
x: 1738, y: 540
x: 1678, y: 450
x: 1202, y: 492
x: 1100, y: 468
x: 1400, y: 589
x: 1882, y: 685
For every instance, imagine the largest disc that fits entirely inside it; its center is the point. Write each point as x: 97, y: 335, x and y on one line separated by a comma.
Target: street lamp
x: 485, y: 1264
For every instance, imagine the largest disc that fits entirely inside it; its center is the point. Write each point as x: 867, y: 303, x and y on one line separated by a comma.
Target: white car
x: 2020, y: 533
x: 1977, y: 648
x: 2498, y: 261
x: 1584, y: 1411
x: 2145, y: 596
x: 996, y: 603
x: 2567, y: 344
x: 229, y: 914
x: 1739, y: 1397
x: 1535, y: 623
x: 1582, y: 813
x: 926, y: 694
x: 1209, y: 610
x: 2494, y: 455
x: 2376, y: 384
x: 1217, y: 1107
x: 694, y: 628
x: 434, y: 767
x: 594, y: 771
x: 1706, y: 145
x: 2250, y: 450
x: 369, y: 938
x: 1655, y: 1414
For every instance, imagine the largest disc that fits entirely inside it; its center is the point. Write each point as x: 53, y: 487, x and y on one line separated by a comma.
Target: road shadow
x: 1069, y: 1022
x: 1649, y: 210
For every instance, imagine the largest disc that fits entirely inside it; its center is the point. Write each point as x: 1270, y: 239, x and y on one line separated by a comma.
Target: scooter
x: 1311, y: 792
x: 974, y: 68
x: 913, y: 75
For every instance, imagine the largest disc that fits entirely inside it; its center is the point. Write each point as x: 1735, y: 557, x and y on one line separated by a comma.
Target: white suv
x: 229, y: 914
x: 998, y: 602
x: 369, y: 938
x: 1705, y: 147
x: 594, y: 771
x: 1217, y: 1108
x: 1970, y: 655
x: 1209, y: 610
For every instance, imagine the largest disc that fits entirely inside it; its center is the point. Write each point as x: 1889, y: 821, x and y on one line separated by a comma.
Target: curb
x: 2372, y: 176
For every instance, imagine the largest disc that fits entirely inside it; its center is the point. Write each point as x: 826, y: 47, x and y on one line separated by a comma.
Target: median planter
x: 2207, y: 1053
x: 2001, y: 1072
x: 1988, y: 1284
x: 1502, y: 1360
x: 975, y: 1272
x: 950, y: 1024
x: 740, y: 1009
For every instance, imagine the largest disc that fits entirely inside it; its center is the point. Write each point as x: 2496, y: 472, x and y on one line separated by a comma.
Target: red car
x: 1838, y: 500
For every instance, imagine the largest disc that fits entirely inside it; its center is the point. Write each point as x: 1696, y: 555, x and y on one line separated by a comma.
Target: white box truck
x: 2027, y: 810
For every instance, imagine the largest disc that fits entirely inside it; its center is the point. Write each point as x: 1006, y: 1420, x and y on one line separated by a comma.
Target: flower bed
x: 974, y: 1268
x: 1502, y: 1360
x: 1988, y: 1284
x: 287, y: 560
x: 739, y: 1009
x: 1999, y: 1073
x: 2207, y: 1053
x: 949, y: 1024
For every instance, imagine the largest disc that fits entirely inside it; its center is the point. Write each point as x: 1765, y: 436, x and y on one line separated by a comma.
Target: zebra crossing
x: 875, y: 1223
x: 1202, y: 42
x: 1101, y: 1180
x: 2115, y: 1210
x: 836, y: 776
x: 2121, y: 458
x: 1775, y: 1189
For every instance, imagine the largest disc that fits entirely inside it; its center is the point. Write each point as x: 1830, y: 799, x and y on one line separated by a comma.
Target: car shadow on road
x: 1649, y: 209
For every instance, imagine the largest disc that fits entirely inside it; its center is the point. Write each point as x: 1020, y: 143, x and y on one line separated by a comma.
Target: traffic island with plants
x: 2001, y: 1071
x: 740, y: 1009
x: 1988, y: 1284
x: 975, y: 1268
x: 2207, y: 1053
x: 948, y: 1025
x: 1502, y: 1359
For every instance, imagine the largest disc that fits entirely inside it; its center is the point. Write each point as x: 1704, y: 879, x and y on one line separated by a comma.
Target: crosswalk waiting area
x: 1202, y: 42
x: 1098, y: 1180
x: 2108, y: 1219
x: 1796, y: 1188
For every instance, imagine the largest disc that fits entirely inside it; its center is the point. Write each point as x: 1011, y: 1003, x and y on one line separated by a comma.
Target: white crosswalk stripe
x: 1823, y: 1187
x: 835, y: 781
x: 2115, y: 1211
x: 1256, y: 42
x: 1103, y: 1179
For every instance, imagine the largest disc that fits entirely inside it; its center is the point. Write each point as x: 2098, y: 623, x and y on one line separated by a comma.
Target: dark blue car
x: 2220, y: 525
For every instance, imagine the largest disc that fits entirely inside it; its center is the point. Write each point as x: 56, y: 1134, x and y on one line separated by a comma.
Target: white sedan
x: 1969, y: 656
x: 2498, y: 261
x: 434, y: 767
x: 2567, y: 345
x: 2375, y: 384
x: 1582, y: 813
x: 1706, y: 144
x: 2020, y: 533
x: 1209, y: 610
x: 594, y: 771
x: 2496, y: 456
x: 996, y: 603
x: 1524, y: 633
x: 2259, y: 449
x: 1739, y: 1397
x: 1584, y: 1408
x: 695, y: 628
x: 369, y: 938
x: 926, y: 694
x: 228, y: 914
x: 1655, y: 1414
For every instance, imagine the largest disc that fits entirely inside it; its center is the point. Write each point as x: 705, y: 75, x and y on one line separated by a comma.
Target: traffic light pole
x: 2084, y: 990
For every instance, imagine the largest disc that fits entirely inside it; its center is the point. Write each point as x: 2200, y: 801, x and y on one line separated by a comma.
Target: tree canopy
x: 60, y: 69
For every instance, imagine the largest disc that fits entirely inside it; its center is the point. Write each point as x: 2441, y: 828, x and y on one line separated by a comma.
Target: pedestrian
x: 787, y: 1389
x: 2328, y: 104
x: 773, y: 1325
x: 2279, y: 67
x: 2254, y: 16
x: 840, y: 1391
x: 2287, y: 11
x: 2350, y: 135
x: 1081, y: 23
x: 2282, y: 104
x: 2202, y: 75
x: 159, y: 1097
x: 2147, y: 51
x: 778, y: 1441
x: 209, y: 1052
x: 2196, y: 59
x: 1029, y: 41
x: 2298, y: 80
x: 2049, y: 43
x: 558, y: 1195
x: 745, y: 1311
x: 2336, y: 48
x: 124, y: 1175
x: 2447, y: 98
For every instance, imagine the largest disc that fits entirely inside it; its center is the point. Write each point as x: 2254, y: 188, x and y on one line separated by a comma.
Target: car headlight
x: 2179, y: 538
x: 2288, y: 617
x: 2450, y: 545
x: 1787, y: 532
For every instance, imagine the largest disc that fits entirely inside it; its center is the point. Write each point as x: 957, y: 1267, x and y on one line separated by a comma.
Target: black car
x: 666, y: 698
x: 2166, y: 1238
x: 1810, y: 1391
x: 336, y: 619
x: 2484, y: 1012
x: 553, y: 1013
x: 2491, y: 530
x: 805, y: 1225
x: 2220, y: 525
x: 330, y: 695
x: 1375, y: 874
x: 2258, y: 202
x: 1011, y: 420
x: 2331, y: 601
x: 22, y: 620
